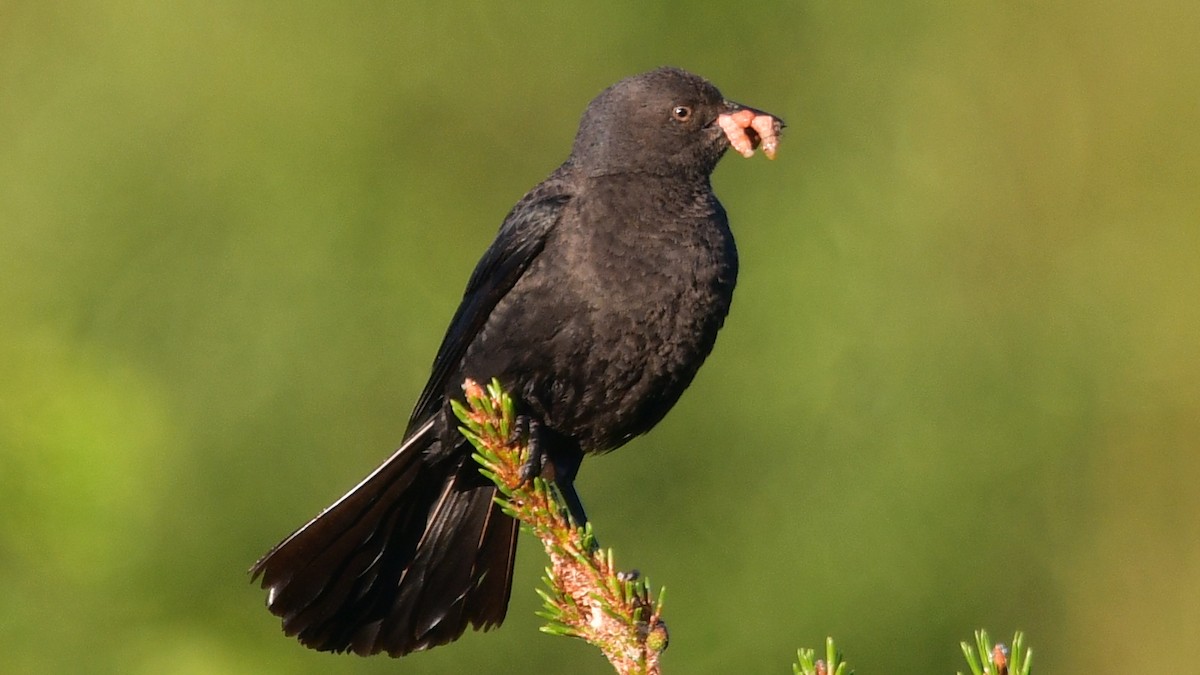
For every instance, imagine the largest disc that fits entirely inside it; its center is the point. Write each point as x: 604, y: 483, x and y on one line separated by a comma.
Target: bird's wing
x: 520, y: 240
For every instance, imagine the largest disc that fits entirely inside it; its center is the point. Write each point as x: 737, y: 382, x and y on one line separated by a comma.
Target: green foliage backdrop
x: 958, y: 387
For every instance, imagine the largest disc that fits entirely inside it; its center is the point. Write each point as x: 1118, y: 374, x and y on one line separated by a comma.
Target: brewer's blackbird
x: 595, y: 305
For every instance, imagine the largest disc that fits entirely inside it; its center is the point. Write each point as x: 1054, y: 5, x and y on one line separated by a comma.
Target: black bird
x: 595, y: 305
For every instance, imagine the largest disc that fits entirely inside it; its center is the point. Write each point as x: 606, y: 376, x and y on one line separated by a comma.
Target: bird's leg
x: 550, y: 460
x: 566, y: 465
x: 574, y: 505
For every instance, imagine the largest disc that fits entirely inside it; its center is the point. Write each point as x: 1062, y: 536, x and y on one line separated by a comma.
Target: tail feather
x: 434, y: 604
x: 494, y: 568
x: 406, y: 560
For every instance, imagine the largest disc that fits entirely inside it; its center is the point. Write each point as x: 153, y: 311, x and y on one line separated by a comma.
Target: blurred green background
x: 958, y: 387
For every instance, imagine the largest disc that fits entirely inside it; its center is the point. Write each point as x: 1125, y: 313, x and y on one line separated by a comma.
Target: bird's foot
x: 535, y: 458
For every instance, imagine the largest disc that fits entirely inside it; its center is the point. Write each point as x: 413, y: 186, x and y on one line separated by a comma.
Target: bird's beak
x: 747, y: 128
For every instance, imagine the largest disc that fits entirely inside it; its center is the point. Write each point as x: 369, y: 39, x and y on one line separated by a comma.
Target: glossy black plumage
x: 595, y: 305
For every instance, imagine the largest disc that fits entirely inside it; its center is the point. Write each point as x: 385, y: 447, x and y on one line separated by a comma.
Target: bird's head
x: 667, y: 121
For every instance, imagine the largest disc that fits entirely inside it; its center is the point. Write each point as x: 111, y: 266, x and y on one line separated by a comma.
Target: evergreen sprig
x: 997, y: 659
x: 586, y: 597
x: 832, y: 664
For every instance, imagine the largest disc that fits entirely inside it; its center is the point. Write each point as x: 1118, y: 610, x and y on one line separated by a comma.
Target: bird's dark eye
x: 681, y: 113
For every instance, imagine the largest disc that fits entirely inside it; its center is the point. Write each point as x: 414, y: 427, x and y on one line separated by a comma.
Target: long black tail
x: 404, y: 561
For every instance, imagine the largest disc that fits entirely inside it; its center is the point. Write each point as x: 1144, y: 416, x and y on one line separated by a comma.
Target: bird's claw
x: 535, y: 458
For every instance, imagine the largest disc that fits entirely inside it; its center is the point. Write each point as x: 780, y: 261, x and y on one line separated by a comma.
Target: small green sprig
x: 997, y: 659
x: 585, y: 595
x: 832, y: 664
